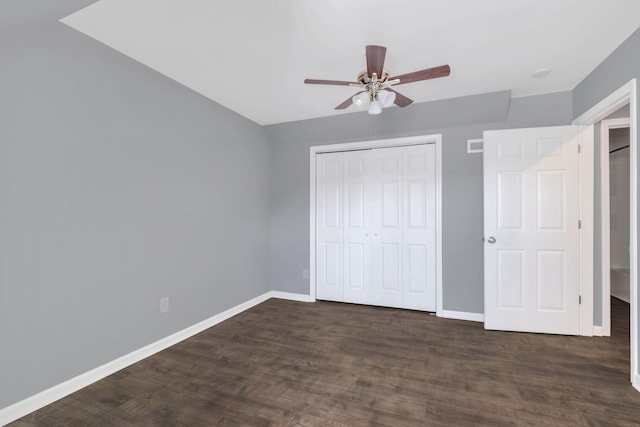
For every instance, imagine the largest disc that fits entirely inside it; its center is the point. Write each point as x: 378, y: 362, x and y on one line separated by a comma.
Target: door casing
x: 605, y: 223
x: 627, y: 94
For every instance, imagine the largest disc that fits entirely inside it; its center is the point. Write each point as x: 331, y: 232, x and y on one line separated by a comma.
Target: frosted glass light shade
x: 386, y: 98
x: 361, y: 101
x: 375, y: 107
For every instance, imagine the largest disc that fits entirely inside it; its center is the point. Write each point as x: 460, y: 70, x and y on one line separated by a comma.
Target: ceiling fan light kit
x: 375, y: 83
x: 373, y: 103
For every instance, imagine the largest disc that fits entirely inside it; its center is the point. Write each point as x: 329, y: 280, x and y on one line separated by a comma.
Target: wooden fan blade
x: 429, y: 73
x: 347, y: 102
x: 375, y: 60
x: 330, y: 82
x: 401, y: 100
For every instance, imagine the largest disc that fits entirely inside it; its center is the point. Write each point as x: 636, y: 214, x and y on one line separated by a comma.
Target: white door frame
x: 364, y: 145
x: 627, y: 94
x: 605, y: 218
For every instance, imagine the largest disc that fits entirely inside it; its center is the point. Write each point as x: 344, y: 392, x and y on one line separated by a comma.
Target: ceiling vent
x: 475, y: 146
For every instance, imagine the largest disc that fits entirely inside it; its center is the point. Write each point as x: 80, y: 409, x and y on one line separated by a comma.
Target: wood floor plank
x: 285, y: 363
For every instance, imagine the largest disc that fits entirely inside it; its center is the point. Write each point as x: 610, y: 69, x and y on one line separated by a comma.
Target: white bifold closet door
x: 375, y: 227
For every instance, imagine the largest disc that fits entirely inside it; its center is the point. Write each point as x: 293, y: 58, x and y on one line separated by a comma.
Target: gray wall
x: 121, y: 186
x: 457, y: 120
x: 118, y: 187
x: 620, y: 67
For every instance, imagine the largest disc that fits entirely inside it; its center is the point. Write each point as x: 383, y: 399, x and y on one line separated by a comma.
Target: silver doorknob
x: 491, y: 240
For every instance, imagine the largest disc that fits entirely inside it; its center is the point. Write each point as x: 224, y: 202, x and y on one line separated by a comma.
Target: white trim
x: 312, y: 223
x: 461, y: 315
x: 605, y: 218
x: 597, y: 331
x: 626, y: 94
x: 439, y: 291
x: 363, y: 145
x: 608, y: 106
x: 377, y: 143
x: 50, y: 395
x: 633, y: 254
x: 624, y: 298
x: 291, y: 296
x: 586, y: 233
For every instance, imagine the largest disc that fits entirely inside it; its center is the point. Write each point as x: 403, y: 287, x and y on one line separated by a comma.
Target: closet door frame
x: 435, y: 139
x: 605, y: 223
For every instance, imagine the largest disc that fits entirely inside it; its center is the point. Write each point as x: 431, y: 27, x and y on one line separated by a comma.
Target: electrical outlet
x: 164, y: 304
x: 305, y: 274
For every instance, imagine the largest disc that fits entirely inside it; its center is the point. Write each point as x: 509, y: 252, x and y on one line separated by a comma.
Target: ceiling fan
x: 375, y: 83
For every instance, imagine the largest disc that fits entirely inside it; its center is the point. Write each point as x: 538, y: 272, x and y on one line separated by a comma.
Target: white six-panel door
x: 531, y: 216
x: 375, y: 227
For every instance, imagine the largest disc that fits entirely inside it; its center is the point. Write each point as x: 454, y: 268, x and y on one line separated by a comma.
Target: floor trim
x: 50, y: 395
x: 291, y: 296
x: 636, y: 383
x: 598, y: 331
x: 461, y: 315
x: 624, y: 298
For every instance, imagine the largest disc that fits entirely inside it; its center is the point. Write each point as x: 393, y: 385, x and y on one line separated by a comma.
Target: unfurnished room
x: 319, y: 213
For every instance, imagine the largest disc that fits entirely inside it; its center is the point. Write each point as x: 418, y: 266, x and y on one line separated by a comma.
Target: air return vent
x: 475, y: 145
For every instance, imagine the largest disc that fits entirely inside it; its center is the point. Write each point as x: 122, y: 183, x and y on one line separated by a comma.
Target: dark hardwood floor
x: 286, y: 363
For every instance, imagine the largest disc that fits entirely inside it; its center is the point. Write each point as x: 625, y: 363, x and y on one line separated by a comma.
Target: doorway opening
x: 615, y: 212
x: 601, y: 111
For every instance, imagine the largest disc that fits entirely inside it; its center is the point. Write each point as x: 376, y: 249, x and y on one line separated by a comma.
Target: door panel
x: 329, y: 283
x: 510, y: 279
x: 531, y: 191
x: 354, y: 267
x: 551, y: 280
x: 384, y: 184
x: 419, y: 227
x: 551, y: 200
x: 510, y: 200
x: 331, y: 261
x: 357, y: 260
x: 390, y: 267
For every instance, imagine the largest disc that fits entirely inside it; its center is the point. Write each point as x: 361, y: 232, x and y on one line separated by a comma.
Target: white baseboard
x: 598, y: 331
x: 461, y: 315
x: 291, y: 296
x: 622, y: 297
x: 636, y: 383
x: 46, y: 397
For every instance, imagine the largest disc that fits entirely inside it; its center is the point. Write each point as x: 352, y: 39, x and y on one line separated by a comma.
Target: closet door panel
x: 357, y: 252
x: 385, y: 219
x: 419, y: 221
x: 329, y: 225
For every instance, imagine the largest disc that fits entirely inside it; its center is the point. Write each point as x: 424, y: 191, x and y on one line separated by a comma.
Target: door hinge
x: 579, y: 224
x: 579, y: 149
x: 579, y: 299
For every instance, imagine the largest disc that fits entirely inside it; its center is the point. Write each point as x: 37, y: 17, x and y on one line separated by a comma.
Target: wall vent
x: 475, y: 146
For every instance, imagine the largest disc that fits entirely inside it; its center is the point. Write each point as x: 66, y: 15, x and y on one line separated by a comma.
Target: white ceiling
x: 253, y: 55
